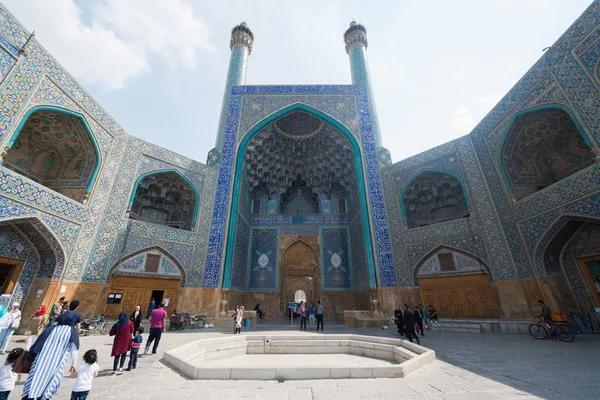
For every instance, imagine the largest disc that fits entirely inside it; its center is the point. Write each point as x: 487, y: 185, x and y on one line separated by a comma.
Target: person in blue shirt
x: 311, y: 315
x: 135, y: 348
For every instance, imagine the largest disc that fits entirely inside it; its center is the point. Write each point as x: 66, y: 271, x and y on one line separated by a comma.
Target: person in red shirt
x: 158, y: 323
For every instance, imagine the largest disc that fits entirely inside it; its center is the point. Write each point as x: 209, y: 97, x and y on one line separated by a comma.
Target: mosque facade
x: 299, y: 197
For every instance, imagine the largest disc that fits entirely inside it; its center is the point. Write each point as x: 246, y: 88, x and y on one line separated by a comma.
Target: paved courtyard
x: 468, y: 366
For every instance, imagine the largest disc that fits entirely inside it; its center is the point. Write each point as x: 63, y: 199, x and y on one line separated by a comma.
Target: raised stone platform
x: 286, y: 357
x: 481, y: 326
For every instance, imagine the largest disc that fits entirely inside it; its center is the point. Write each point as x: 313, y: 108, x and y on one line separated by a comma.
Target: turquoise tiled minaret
x: 355, y: 38
x: 241, y: 47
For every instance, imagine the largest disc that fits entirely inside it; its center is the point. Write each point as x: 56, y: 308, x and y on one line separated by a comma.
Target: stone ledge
x: 405, y: 357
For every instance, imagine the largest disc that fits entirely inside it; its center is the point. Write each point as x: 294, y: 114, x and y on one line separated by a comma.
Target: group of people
x: 51, y: 342
x: 411, y: 322
x: 311, y: 314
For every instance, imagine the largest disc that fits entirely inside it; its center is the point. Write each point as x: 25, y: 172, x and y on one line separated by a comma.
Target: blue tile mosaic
x: 263, y: 264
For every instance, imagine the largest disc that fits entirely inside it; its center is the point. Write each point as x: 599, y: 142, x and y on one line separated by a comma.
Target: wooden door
x: 460, y: 296
x: 137, y: 290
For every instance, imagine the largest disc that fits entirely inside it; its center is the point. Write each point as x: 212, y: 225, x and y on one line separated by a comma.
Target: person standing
x: 409, y: 325
x: 9, y: 323
x: 49, y: 353
x: 311, y: 315
x: 424, y: 316
x: 84, y: 374
x: 136, y: 318
x: 303, y: 315
x: 135, y: 348
x: 419, y: 319
x: 398, y: 320
x: 319, y: 315
x: 158, y: 323
x: 7, y: 377
x: 56, y: 310
x: 235, y: 314
x: 151, y: 308
x: 36, y: 325
x: 239, y: 319
x: 122, y: 330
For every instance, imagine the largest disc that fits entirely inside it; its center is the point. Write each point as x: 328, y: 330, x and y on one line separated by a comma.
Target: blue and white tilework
x: 336, y: 261
x: 263, y: 264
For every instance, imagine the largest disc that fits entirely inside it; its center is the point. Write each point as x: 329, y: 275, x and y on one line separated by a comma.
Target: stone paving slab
x: 468, y: 366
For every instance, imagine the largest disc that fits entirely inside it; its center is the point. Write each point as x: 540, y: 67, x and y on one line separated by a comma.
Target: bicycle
x: 558, y: 329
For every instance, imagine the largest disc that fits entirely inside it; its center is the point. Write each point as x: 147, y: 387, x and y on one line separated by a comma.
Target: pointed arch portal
x: 231, y: 166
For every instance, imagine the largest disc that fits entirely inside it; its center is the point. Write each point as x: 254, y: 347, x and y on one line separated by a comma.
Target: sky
x: 158, y: 67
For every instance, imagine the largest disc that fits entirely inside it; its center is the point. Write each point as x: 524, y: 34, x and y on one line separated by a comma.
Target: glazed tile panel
x: 263, y: 259
x: 336, y: 264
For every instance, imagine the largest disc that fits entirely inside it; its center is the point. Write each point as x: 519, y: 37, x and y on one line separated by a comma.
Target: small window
x: 152, y: 262
x: 255, y: 206
x: 446, y: 261
x: 114, y: 298
x: 342, y: 206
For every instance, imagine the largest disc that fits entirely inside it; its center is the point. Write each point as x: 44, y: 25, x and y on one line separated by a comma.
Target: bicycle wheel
x: 565, y: 334
x: 538, y: 331
x: 104, y: 328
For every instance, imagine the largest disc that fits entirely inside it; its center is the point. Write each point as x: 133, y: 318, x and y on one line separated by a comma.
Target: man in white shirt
x: 9, y: 324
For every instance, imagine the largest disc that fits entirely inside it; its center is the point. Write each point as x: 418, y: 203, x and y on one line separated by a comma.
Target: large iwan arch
x: 56, y: 148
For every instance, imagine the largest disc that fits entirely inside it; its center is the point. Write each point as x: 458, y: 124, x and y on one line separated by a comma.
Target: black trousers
x: 155, y: 334
x: 133, y: 358
x: 319, y: 321
x: 303, y: 322
x: 411, y: 334
x: 120, y: 358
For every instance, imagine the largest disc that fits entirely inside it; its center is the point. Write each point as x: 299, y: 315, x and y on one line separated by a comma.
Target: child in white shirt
x: 84, y: 374
x: 7, y: 377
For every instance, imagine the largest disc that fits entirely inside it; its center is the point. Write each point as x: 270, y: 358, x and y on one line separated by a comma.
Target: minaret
x: 241, y: 47
x: 355, y: 38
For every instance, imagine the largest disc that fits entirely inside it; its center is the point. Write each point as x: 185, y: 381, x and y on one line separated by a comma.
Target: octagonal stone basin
x: 287, y: 357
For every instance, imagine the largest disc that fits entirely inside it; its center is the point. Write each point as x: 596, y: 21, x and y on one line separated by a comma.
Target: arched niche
x: 434, y: 196
x: 57, y: 149
x: 543, y: 146
x: 165, y: 198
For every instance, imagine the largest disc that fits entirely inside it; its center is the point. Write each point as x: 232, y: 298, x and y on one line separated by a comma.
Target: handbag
x: 23, y: 364
x: 238, y: 324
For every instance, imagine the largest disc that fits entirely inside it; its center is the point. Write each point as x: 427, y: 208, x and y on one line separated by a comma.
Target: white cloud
x: 116, y: 43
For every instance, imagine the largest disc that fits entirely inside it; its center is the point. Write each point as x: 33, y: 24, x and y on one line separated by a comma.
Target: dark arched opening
x: 542, y: 147
x: 55, y: 148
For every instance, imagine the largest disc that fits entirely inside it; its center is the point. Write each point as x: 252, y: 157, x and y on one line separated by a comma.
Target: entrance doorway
x: 135, y: 291
x: 299, y: 265
x: 10, y: 270
x: 158, y: 296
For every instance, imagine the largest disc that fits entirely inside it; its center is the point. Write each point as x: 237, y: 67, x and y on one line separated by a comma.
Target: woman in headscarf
x: 50, y: 351
x: 36, y: 325
x: 136, y: 318
x: 239, y: 319
x: 123, y: 333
